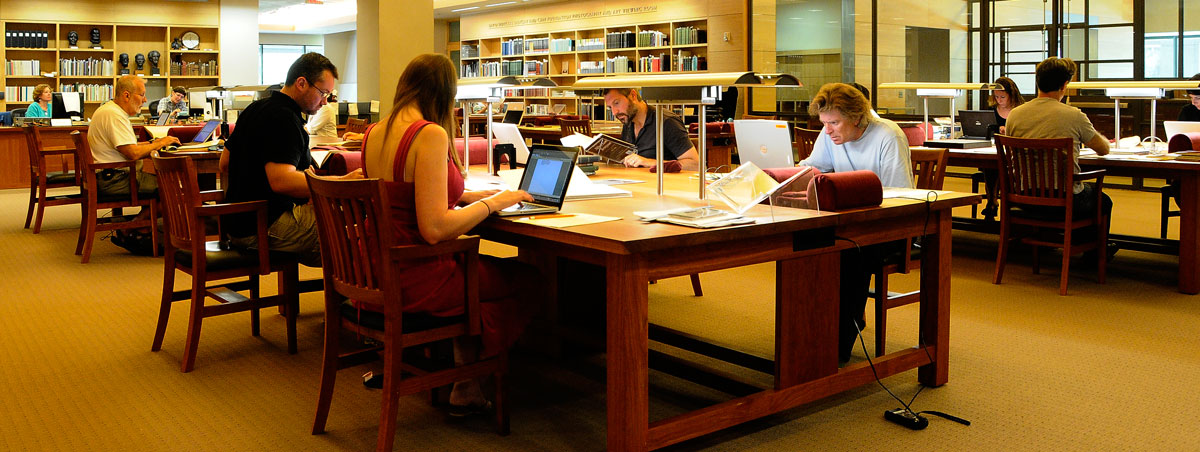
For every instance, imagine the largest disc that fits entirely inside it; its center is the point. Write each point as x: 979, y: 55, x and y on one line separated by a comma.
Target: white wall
x: 342, y: 50
x: 291, y: 39
x: 239, y: 42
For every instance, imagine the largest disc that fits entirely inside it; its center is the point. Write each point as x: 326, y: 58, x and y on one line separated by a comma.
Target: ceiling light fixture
x: 464, y: 9
x: 500, y: 4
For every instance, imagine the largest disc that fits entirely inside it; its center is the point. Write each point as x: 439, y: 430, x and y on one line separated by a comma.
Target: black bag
x: 138, y: 243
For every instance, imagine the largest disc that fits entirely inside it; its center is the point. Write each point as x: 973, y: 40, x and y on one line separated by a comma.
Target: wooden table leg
x: 628, y: 342
x: 1189, y: 246
x: 806, y: 318
x: 935, y: 301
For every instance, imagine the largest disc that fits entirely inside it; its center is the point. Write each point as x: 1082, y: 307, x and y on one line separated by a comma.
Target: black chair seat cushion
x: 1044, y: 213
x: 413, y: 321
x: 60, y: 177
x: 220, y: 257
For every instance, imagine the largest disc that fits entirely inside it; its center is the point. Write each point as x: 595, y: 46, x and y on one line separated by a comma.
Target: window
x: 275, y: 59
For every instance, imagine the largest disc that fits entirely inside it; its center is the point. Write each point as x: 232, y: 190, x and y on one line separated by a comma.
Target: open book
x: 748, y: 185
x: 603, y: 145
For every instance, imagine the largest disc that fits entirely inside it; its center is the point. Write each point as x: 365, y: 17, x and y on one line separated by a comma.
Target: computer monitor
x: 66, y: 105
x: 514, y: 115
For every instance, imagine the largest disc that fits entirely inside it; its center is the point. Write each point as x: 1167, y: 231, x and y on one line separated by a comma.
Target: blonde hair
x: 843, y: 98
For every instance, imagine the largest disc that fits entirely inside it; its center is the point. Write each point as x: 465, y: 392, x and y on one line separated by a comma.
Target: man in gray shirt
x: 175, y: 103
x: 1047, y: 117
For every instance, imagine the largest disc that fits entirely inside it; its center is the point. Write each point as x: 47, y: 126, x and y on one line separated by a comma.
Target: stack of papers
x: 714, y: 221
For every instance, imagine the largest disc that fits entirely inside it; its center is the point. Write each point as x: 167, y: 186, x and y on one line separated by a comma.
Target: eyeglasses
x: 324, y: 94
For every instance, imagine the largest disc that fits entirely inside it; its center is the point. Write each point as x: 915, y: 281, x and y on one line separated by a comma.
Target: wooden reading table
x: 804, y: 245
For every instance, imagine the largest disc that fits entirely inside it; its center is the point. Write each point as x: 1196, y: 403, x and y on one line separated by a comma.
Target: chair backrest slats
x: 929, y: 165
x: 572, y: 126
x: 354, y: 230
x: 356, y: 125
x: 179, y: 192
x: 1036, y: 171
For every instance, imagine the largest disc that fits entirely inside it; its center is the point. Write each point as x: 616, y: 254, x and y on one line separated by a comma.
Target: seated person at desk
x: 411, y: 151
x: 266, y: 156
x: 174, y: 104
x: 40, y: 108
x: 1047, y: 117
x: 1002, y: 101
x: 111, y: 138
x: 323, y: 123
x: 637, y: 121
x: 853, y: 139
x: 1190, y: 112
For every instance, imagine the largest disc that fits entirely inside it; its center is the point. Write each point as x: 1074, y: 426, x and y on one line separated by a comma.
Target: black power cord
x: 906, y: 416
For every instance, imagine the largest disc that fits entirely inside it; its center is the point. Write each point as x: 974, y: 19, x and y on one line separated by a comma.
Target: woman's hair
x: 1010, y: 87
x: 429, y: 83
x: 38, y: 90
x: 846, y: 99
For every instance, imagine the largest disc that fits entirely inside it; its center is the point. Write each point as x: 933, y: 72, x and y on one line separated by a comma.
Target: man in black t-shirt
x: 266, y: 157
x: 1191, y: 112
x: 638, y: 128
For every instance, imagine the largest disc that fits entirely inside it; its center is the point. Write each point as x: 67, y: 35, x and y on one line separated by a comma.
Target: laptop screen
x: 976, y: 123
x: 767, y: 143
x: 548, y: 172
x: 513, y: 115
x: 206, y: 131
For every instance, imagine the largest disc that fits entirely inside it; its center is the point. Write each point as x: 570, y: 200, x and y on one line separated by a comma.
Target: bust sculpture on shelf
x: 124, y: 60
x: 154, y: 55
x: 96, y: 38
x: 73, y: 39
x: 176, y: 44
x: 140, y: 60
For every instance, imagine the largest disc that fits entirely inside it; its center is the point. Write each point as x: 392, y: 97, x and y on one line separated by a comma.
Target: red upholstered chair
x: 1180, y: 142
x: 1039, y: 172
x: 340, y: 163
x: 42, y: 179
x: 359, y: 262
x: 916, y: 135
x: 478, y: 148
x: 188, y: 250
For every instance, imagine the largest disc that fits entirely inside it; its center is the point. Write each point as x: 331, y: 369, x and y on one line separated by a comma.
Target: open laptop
x: 767, y: 143
x: 514, y: 115
x: 545, y: 178
x: 201, y: 140
x: 507, y: 133
x: 1177, y: 127
x: 977, y: 129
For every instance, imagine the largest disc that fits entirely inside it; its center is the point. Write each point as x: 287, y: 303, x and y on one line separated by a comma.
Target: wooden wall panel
x: 142, y: 12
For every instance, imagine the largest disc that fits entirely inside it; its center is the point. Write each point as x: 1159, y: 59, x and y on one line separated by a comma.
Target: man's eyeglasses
x: 324, y: 94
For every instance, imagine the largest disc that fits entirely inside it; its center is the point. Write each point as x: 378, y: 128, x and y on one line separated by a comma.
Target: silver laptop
x: 1178, y: 127
x: 509, y: 134
x: 765, y: 142
x: 545, y: 179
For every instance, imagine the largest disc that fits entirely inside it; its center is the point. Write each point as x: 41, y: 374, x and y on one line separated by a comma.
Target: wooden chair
x: 805, y: 140
x: 1040, y: 172
x: 929, y: 166
x: 189, y: 250
x: 359, y: 261
x: 41, y: 179
x: 93, y: 202
x: 573, y: 126
x: 356, y: 125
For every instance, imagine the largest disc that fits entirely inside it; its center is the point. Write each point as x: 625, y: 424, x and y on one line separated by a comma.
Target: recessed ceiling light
x: 464, y: 9
x: 500, y: 4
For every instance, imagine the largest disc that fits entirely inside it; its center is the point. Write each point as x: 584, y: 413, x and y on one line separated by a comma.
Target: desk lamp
x: 938, y: 90
x: 489, y: 90
x: 1136, y: 89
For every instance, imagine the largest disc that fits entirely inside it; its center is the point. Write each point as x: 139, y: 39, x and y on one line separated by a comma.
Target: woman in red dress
x: 411, y: 150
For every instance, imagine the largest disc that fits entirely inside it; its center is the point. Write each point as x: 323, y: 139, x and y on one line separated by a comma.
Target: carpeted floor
x: 1110, y: 367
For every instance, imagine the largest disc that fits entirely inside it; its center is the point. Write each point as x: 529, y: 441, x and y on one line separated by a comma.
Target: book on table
x: 612, y: 149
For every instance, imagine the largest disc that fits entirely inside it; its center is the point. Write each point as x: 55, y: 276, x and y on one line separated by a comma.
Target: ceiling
x: 335, y: 16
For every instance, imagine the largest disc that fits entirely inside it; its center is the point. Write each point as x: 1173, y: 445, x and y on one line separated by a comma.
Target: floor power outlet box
x: 906, y: 418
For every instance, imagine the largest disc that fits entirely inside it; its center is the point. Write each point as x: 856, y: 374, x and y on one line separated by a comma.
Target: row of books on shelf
x: 492, y: 68
x: 618, y: 65
x: 470, y: 51
x: 591, y: 67
x: 28, y: 39
x: 659, y: 63
x: 92, y: 92
x: 194, y: 68
x: 688, y: 35
x: 18, y: 93
x: 651, y: 38
x: 515, y: 46
x: 620, y: 40
x: 22, y: 67
x: 537, y: 45
x: 562, y: 45
x: 536, y: 67
x: 85, y: 67
x: 590, y: 44
x: 530, y: 92
x: 685, y: 61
